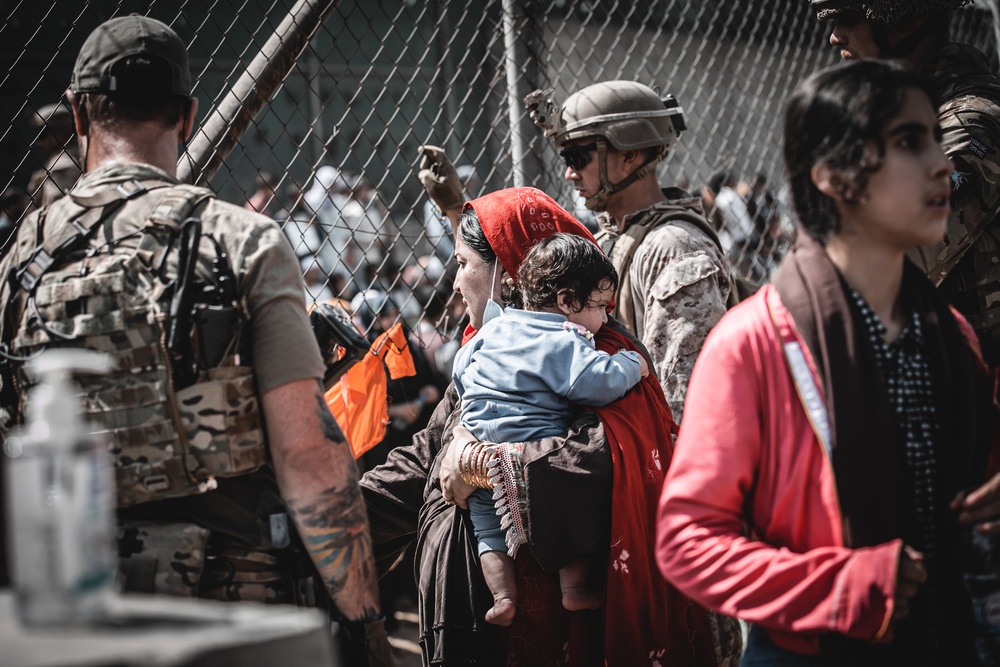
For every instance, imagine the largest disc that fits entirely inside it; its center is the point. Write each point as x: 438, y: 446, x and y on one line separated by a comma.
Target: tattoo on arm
x: 331, y: 431
x: 335, y: 533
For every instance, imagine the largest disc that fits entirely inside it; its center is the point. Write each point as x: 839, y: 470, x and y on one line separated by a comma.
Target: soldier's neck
x: 636, y: 197
x: 103, y: 148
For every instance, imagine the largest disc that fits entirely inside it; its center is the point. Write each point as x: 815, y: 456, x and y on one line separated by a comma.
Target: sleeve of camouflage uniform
x: 680, y: 288
x: 971, y: 126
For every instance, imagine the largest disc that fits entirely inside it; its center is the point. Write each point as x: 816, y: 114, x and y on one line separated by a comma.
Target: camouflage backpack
x: 179, y: 408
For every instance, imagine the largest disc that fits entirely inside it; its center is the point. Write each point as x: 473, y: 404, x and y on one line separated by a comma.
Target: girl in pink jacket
x: 838, y: 435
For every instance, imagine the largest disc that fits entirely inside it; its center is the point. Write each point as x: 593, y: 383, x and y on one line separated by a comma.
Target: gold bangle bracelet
x: 461, y: 463
x: 473, y: 464
x: 465, y: 463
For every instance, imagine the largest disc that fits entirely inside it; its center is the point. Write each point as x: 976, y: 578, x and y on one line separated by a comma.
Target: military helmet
x: 628, y: 114
x: 835, y: 9
x: 885, y: 12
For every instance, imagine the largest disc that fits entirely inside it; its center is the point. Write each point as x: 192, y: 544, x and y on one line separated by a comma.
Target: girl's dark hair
x: 837, y: 116
x: 564, y: 262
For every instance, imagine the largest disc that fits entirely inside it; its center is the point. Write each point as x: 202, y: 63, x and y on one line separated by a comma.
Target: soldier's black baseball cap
x: 157, y: 59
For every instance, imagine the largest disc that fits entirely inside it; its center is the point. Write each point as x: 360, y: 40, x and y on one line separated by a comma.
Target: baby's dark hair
x: 564, y: 262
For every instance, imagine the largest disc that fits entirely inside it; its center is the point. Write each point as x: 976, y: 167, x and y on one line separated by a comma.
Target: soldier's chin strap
x: 599, y: 201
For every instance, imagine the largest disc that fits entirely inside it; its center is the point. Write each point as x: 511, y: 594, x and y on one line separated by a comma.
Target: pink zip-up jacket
x: 748, y: 455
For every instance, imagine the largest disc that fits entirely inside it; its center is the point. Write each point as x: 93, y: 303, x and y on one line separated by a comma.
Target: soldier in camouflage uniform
x: 675, y: 279
x: 234, y: 482
x: 966, y: 263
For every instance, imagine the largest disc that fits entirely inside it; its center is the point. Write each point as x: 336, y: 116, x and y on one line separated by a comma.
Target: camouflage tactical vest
x: 965, y: 265
x: 174, y: 424
x: 621, y: 250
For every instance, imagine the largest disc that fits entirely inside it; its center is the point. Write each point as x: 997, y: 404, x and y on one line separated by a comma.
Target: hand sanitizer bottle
x: 60, y: 499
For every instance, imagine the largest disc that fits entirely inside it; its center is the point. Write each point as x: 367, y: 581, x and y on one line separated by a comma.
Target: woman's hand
x: 981, y: 507
x: 453, y: 487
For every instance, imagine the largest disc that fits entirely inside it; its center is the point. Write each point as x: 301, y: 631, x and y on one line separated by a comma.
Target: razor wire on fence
x: 312, y: 112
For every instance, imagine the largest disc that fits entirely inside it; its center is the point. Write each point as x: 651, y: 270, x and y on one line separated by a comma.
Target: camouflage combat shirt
x: 267, y: 276
x: 679, y: 284
x: 966, y: 263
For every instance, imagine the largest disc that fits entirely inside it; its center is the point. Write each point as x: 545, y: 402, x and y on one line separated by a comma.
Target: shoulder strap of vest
x: 82, y: 218
x: 636, y: 233
x: 622, y: 249
x: 172, y: 211
x: 642, y: 228
x: 89, y: 211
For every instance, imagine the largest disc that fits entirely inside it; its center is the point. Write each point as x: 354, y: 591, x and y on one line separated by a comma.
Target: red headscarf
x: 647, y: 621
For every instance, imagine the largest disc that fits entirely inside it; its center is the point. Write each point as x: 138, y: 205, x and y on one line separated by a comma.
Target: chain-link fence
x: 331, y: 153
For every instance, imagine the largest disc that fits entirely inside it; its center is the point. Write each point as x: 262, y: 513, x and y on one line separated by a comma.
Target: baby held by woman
x: 520, y: 377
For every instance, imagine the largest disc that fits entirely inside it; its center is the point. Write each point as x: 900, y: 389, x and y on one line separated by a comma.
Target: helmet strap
x: 599, y: 201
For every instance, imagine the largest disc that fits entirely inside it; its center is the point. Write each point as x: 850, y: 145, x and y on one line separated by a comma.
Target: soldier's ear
x: 187, y: 122
x: 80, y: 121
x: 633, y: 160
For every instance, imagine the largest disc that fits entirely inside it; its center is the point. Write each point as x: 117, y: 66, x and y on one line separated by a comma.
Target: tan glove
x: 438, y: 176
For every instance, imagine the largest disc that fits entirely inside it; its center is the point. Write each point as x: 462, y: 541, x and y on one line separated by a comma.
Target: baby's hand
x: 643, y: 366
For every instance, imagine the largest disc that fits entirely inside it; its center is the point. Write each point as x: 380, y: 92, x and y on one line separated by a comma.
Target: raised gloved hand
x: 365, y: 644
x: 438, y: 176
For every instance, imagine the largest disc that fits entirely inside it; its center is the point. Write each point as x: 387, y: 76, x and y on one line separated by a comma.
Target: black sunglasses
x: 578, y: 157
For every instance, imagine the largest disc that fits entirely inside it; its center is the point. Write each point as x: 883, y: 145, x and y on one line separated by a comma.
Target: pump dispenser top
x: 53, y: 411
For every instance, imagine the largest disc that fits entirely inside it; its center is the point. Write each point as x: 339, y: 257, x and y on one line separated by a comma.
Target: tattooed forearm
x: 335, y: 532
x: 331, y: 431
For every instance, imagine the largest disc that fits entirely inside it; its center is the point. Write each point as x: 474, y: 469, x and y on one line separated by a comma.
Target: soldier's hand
x: 438, y: 176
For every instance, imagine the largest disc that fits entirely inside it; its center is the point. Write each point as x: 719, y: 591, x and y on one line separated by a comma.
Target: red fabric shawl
x: 647, y: 621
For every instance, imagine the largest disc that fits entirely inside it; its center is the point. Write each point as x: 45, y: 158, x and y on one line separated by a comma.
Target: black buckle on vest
x: 960, y: 284
x: 39, y: 258
x: 131, y: 188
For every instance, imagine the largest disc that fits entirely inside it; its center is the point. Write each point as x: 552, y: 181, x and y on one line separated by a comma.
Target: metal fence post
x: 232, y: 116
x: 521, y: 66
x: 994, y: 6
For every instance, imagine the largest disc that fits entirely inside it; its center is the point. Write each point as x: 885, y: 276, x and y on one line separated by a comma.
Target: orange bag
x: 358, y: 401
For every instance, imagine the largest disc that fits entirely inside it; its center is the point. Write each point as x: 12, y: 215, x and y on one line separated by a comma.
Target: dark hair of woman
x: 564, y: 262
x: 472, y: 235
x: 837, y: 116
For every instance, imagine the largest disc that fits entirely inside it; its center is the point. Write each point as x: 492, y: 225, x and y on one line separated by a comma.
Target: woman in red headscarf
x: 593, y: 491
